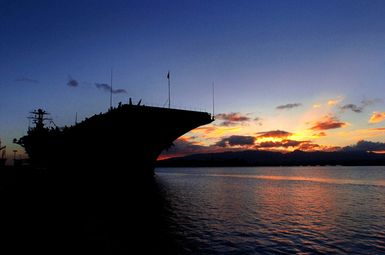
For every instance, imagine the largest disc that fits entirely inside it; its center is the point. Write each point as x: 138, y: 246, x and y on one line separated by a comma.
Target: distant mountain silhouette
x: 268, y: 158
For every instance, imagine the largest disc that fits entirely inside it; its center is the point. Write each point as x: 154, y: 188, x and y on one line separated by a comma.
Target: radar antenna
x: 38, y: 118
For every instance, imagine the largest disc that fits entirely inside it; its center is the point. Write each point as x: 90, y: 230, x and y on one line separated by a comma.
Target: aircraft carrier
x: 125, y: 139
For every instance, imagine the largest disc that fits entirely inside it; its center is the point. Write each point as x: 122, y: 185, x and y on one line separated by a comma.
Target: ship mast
x: 111, y: 91
x: 38, y: 118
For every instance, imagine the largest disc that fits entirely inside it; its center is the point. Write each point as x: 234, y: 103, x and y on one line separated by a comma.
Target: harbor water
x: 276, y: 210
x: 255, y: 210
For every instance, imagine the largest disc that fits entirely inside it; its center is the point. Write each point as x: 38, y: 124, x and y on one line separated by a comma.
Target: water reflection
x: 277, y: 210
x: 325, y: 179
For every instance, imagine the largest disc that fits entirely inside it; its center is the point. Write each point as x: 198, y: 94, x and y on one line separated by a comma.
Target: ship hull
x: 125, y: 139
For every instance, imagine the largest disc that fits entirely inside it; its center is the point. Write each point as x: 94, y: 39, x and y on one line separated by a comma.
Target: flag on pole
x: 169, y: 93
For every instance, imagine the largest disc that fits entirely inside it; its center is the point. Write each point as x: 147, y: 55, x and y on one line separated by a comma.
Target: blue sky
x: 259, y: 54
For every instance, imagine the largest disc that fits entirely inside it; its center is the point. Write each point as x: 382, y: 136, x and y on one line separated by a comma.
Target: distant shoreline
x: 266, y: 159
x: 197, y: 165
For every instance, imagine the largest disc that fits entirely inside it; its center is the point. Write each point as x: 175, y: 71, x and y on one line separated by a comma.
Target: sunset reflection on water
x: 278, y: 210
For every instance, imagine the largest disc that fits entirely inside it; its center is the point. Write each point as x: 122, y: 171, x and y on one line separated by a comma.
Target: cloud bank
x: 365, y: 146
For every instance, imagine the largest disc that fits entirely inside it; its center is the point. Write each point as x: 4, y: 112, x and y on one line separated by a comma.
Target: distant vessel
x: 128, y: 137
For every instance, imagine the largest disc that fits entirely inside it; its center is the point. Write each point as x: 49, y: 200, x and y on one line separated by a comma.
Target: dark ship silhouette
x: 91, y: 185
x: 128, y: 138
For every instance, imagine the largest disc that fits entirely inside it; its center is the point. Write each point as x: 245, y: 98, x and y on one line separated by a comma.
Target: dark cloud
x: 328, y: 122
x: 367, y: 102
x: 72, y: 82
x: 258, y: 121
x: 352, y: 107
x: 230, y: 119
x: 103, y: 86
x: 236, y: 140
x: 269, y: 144
x: 26, y: 79
x: 118, y: 91
x: 284, y: 143
x: 107, y: 88
x: 360, y: 108
x: 273, y: 134
x: 365, y: 146
x: 288, y: 106
x: 293, y: 143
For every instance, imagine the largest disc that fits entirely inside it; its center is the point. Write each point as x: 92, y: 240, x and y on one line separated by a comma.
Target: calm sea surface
x: 276, y: 210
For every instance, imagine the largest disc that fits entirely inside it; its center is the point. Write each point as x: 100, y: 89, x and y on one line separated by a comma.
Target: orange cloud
x: 328, y: 122
x: 334, y: 101
x: 320, y: 134
x: 309, y: 147
x: 292, y: 145
x: 215, y: 131
x: 377, y: 117
x: 273, y: 134
x: 205, y: 129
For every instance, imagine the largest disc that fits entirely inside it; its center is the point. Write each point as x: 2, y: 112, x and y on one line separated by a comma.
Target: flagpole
x: 213, y: 101
x: 169, y: 93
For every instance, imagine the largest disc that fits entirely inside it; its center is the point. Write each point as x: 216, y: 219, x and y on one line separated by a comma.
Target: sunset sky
x: 288, y: 75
